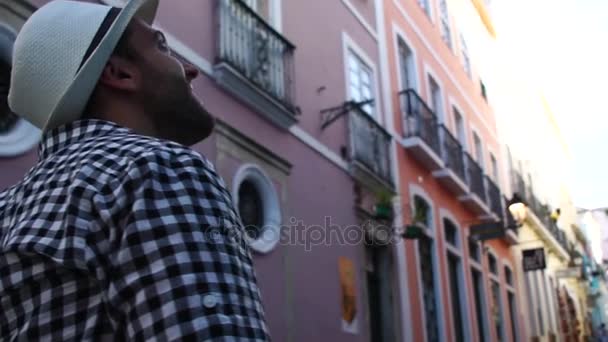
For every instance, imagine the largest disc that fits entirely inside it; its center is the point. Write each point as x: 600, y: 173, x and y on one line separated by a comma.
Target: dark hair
x: 123, y: 48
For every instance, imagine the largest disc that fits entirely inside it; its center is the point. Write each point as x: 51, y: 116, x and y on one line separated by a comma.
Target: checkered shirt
x: 116, y: 236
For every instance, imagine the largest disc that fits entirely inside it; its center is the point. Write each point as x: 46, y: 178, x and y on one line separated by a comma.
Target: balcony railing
x: 452, y: 154
x: 493, y: 197
x: 509, y: 220
x: 519, y: 186
x: 370, y: 144
x: 256, y: 50
x: 420, y: 121
x: 474, y: 177
x: 542, y: 212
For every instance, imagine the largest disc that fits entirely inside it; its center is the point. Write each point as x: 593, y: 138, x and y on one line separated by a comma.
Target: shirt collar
x: 62, y: 136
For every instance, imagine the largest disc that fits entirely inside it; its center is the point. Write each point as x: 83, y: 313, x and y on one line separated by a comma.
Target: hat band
x: 103, y: 29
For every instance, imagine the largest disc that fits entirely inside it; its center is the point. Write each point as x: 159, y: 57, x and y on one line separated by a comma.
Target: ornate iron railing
x: 451, y: 152
x: 370, y: 144
x: 420, y: 121
x: 475, y: 177
x: 493, y: 197
x: 250, y: 45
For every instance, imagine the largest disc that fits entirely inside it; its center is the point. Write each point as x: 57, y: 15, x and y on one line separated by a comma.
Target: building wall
x: 300, y: 288
x: 406, y: 19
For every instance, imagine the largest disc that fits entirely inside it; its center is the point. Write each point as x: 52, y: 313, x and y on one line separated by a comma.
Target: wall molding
x: 361, y: 19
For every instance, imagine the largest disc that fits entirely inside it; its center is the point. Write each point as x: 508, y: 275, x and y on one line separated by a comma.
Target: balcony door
x: 360, y: 82
x: 407, y: 66
x: 436, y: 99
x: 262, y: 8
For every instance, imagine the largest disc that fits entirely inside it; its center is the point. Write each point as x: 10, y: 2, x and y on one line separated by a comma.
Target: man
x: 119, y: 232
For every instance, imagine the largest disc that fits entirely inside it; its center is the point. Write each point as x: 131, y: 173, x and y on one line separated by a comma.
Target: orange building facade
x: 448, y: 154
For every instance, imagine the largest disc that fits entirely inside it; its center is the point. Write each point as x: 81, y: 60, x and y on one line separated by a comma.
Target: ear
x: 120, y: 74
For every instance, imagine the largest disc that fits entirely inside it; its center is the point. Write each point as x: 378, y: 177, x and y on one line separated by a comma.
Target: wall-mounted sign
x: 534, y: 259
x: 571, y: 272
x: 487, y: 231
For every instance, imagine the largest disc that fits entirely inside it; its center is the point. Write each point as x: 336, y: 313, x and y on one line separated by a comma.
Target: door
x: 380, y: 294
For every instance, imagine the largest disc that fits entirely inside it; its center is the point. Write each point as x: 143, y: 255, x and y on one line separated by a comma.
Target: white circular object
x: 209, y: 301
x: 271, y: 229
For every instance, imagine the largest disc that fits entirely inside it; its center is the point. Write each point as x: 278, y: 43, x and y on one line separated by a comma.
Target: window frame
x: 431, y: 233
x: 456, y: 251
x: 445, y: 27
x: 350, y: 48
x: 270, y: 235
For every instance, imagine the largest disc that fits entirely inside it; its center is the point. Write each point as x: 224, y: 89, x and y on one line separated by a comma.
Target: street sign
x: 571, y: 272
x: 534, y: 259
x: 487, y: 231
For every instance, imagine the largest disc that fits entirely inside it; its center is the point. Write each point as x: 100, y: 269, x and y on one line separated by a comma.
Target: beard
x: 176, y: 113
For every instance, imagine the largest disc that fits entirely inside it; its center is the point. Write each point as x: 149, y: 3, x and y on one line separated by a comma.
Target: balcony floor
x: 423, y: 153
x: 451, y: 181
x: 476, y: 205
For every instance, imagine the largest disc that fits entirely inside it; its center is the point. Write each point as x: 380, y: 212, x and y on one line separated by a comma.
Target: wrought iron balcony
x: 542, y: 218
x: 510, y: 223
x: 476, y: 199
x: 518, y: 184
x: 493, y: 197
x: 421, y: 130
x: 369, y: 147
x: 255, y: 63
x: 452, y: 175
x: 475, y: 177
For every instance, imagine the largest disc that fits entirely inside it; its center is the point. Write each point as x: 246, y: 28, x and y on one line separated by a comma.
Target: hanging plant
x: 383, y: 210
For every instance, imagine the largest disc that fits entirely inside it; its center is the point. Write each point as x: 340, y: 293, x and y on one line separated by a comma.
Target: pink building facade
x: 297, y: 156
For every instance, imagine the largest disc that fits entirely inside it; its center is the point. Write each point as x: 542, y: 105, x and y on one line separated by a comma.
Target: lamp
x: 517, y: 208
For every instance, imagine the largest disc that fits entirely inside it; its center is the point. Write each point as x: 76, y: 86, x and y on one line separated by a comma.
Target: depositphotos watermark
x: 296, y: 233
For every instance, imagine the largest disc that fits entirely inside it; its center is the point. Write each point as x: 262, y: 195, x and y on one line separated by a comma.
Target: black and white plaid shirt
x: 116, y: 236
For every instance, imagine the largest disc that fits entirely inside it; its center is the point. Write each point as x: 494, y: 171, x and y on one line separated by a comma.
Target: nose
x: 191, y: 71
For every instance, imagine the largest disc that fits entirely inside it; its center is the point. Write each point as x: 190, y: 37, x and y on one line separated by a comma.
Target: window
x: 426, y: 6
x: 426, y: 259
x: 451, y: 233
x: 497, y: 310
x: 258, y: 207
x: 484, y: 93
x: 459, y: 125
x: 422, y: 212
x: 494, y: 166
x: 251, y: 209
x: 508, y: 276
x: 406, y: 65
x: 479, y: 293
x: 474, y: 250
x: 436, y: 101
x: 466, y: 61
x: 513, y: 314
x: 446, y: 34
x: 425, y: 250
x: 455, y: 280
x: 360, y: 85
x: 492, y: 264
x: 478, y: 150
x: 455, y: 289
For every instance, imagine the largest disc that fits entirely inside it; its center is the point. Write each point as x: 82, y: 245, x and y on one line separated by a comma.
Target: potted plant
x: 415, y: 230
x: 383, y: 210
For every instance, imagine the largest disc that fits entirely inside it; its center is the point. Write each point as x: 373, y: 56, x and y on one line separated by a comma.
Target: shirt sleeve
x: 179, y: 268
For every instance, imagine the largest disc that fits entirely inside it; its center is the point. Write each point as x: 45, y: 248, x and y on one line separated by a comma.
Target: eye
x: 162, y: 41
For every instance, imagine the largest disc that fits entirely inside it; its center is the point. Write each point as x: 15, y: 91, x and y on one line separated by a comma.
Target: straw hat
x: 60, y: 53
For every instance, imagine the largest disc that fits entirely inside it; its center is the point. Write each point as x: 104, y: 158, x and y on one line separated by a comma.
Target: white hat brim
x: 72, y: 103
